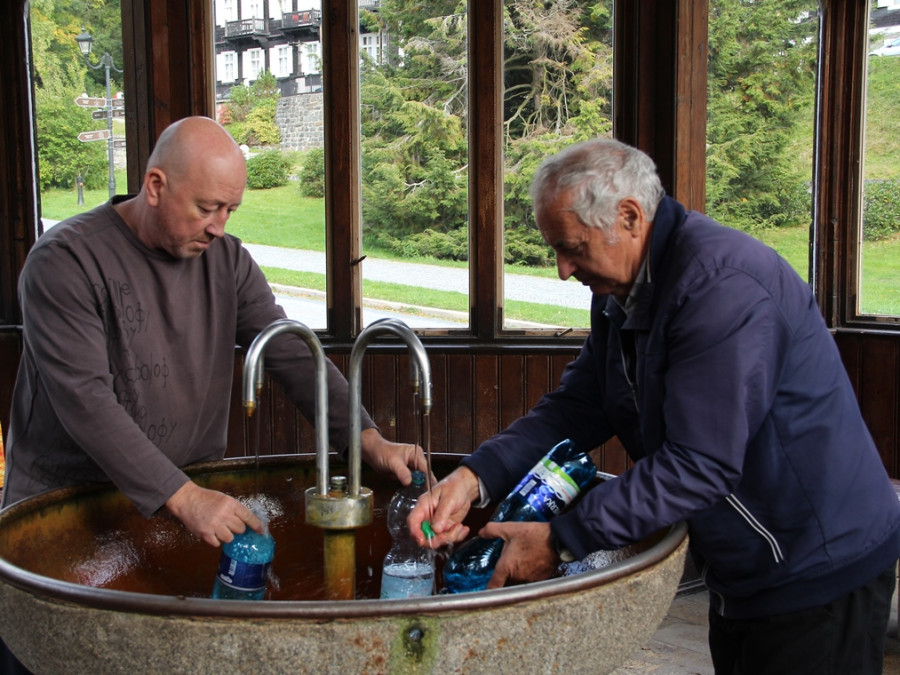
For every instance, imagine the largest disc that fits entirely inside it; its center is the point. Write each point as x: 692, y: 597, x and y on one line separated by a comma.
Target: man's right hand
x: 445, y: 506
x: 213, y: 516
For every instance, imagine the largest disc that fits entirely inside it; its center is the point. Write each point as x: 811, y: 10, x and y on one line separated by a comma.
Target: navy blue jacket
x: 728, y: 392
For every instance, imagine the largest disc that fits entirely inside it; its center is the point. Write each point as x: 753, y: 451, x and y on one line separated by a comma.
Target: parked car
x: 890, y: 48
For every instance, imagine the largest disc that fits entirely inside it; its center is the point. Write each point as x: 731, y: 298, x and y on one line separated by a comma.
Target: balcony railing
x: 245, y: 27
x: 308, y: 18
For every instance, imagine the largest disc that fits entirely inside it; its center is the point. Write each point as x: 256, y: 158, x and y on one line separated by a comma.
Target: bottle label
x: 548, y: 488
x: 243, y: 576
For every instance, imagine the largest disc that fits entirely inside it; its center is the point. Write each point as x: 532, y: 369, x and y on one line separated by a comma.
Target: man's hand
x: 445, y: 506
x: 213, y: 516
x: 528, y: 554
x: 391, y: 459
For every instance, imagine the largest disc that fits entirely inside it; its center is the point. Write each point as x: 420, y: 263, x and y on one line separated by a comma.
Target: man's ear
x: 631, y: 216
x: 154, y: 184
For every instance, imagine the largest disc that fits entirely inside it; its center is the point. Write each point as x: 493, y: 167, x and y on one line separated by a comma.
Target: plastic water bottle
x: 544, y: 492
x: 408, y: 571
x: 245, y: 563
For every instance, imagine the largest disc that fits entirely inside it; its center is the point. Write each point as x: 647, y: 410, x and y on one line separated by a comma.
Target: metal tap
x: 254, y: 376
x: 420, y: 373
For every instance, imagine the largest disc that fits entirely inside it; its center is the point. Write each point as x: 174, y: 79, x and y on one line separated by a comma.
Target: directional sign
x: 103, y: 114
x: 90, y: 102
x: 119, y: 144
x: 118, y: 103
x: 100, y: 135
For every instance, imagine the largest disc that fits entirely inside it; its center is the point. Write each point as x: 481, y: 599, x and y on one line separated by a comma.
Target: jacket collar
x: 669, y: 214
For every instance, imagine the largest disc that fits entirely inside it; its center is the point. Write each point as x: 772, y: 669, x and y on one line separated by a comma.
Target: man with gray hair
x: 710, y: 362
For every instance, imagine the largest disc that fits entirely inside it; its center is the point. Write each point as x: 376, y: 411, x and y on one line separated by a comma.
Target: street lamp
x: 85, y: 42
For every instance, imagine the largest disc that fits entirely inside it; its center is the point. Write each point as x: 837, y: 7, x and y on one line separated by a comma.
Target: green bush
x: 524, y: 246
x: 261, y: 127
x: 312, y: 175
x: 267, y: 170
x: 62, y: 155
x: 881, y: 209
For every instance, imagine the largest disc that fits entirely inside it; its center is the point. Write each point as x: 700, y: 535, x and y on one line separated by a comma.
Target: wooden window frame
x: 662, y: 59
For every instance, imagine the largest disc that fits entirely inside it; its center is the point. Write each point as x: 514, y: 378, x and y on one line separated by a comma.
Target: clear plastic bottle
x: 544, y: 492
x: 408, y: 570
x: 245, y: 563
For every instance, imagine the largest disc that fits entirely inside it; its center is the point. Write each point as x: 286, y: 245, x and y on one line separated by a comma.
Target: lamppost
x: 85, y: 42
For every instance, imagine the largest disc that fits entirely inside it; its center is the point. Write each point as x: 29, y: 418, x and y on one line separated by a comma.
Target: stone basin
x: 89, y: 585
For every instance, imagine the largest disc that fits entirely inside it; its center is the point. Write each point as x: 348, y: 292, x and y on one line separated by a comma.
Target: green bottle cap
x: 426, y: 528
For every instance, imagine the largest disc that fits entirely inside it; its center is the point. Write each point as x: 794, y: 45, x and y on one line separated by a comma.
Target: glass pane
x: 414, y: 97
x: 760, y: 122
x: 557, y: 91
x: 879, y: 264
x: 79, y: 105
x: 269, y: 97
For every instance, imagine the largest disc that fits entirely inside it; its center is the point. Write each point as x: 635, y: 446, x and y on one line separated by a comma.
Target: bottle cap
x: 426, y: 529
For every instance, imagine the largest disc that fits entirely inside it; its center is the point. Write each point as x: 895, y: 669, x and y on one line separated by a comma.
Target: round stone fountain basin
x: 89, y: 585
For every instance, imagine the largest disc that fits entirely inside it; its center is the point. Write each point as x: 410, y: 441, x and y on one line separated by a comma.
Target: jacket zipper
x: 756, y: 525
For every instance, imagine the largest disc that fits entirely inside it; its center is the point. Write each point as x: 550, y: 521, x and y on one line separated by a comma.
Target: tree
x: 251, y: 111
x: 60, y: 75
x: 761, y: 85
x: 415, y: 107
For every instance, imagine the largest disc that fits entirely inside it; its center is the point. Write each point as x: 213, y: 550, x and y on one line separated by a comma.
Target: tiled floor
x: 679, y: 646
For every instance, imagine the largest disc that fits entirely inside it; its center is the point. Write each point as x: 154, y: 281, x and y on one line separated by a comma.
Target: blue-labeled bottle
x: 245, y: 564
x: 408, y: 571
x: 544, y: 492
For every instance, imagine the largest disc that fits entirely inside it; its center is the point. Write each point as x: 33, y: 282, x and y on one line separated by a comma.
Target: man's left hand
x: 528, y: 554
x: 392, y: 459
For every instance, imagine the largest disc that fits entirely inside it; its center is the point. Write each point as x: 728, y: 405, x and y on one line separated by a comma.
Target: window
x: 414, y: 166
x: 558, y: 91
x: 253, y: 64
x: 228, y: 11
x: 79, y: 107
x: 227, y: 72
x: 876, y: 285
x: 312, y: 61
x: 760, y: 123
x: 283, y: 61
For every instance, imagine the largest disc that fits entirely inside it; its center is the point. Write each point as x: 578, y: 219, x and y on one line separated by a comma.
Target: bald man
x: 131, y: 312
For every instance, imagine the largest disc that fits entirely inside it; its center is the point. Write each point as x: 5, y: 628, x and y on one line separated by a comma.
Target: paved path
x: 517, y: 286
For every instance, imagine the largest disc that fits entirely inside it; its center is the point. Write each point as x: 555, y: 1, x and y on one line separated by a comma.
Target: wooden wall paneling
x: 382, y: 391
x: 511, y: 392
x: 878, y: 387
x: 486, y: 401
x: 406, y: 402
x: 283, y: 423
x: 440, y: 409
x: 237, y: 417
x: 461, y: 404
x: 537, y: 379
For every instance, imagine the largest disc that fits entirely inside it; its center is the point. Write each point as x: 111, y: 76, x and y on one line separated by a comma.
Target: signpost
x: 90, y: 102
x: 99, y: 135
x: 109, y: 108
x: 103, y: 114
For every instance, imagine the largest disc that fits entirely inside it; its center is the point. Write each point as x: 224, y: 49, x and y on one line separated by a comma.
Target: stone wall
x: 300, y: 120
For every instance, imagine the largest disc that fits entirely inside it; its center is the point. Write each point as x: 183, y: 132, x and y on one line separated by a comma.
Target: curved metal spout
x: 254, y: 375
x: 421, y: 376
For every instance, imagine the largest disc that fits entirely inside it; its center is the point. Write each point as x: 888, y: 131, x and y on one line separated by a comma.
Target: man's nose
x: 216, y: 226
x: 564, y: 267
